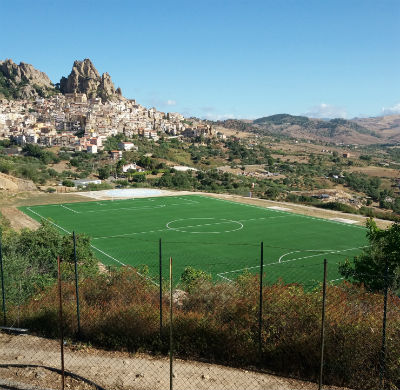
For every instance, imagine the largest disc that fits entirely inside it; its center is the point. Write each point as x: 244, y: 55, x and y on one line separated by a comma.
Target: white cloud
x: 212, y: 116
x: 324, y: 110
x: 391, y: 110
x: 156, y: 102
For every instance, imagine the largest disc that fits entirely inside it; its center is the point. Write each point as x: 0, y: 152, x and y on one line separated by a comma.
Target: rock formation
x: 84, y: 78
x: 23, y: 81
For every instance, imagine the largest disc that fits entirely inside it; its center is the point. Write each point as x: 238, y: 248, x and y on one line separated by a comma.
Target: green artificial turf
x: 217, y: 236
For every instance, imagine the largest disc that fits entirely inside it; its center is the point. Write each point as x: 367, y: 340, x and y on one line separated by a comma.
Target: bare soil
x: 18, y: 220
x: 119, y: 370
x: 14, y: 184
x: 381, y: 172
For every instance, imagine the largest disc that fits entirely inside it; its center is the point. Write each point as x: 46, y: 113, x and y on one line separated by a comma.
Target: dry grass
x: 381, y: 172
x: 301, y: 209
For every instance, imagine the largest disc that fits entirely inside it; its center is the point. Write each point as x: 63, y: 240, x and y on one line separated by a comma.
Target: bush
x: 68, y: 183
x: 219, y: 323
x: 5, y: 166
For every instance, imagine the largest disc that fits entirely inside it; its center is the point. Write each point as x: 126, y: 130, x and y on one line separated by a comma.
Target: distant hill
x: 356, y: 131
x: 387, y: 126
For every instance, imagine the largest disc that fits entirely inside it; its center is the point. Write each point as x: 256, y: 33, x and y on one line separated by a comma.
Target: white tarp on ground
x: 125, y: 193
x: 344, y: 220
x: 183, y: 168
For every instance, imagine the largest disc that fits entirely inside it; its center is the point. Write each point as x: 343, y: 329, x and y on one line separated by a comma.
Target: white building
x: 92, y: 149
x: 127, y: 146
x: 127, y: 167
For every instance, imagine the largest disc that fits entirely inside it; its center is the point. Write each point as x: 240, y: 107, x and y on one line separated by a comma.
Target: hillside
x: 23, y: 81
x: 387, y: 126
x: 358, y: 131
x: 84, y: 78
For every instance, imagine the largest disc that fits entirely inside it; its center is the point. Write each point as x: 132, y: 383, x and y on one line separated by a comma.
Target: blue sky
x: 219, y: 59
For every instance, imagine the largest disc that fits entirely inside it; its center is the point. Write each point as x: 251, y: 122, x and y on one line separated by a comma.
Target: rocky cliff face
x: 23, y: 81
x: 84, y: 78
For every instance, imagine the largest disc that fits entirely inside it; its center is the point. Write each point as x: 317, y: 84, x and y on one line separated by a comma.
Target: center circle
x: 194, y: 225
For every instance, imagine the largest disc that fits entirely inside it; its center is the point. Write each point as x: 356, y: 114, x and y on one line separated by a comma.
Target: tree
x: 68, y: 183
x: 272, y: 192
x: 192, y: 278
x: 104, y: 172
x: 30, y: 259
x: 380, y: 261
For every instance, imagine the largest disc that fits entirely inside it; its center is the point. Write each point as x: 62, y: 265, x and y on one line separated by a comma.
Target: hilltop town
x: 80, y: 111
x: 81, y: 124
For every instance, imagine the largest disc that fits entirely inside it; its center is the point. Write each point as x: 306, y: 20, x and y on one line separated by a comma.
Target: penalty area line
x: 65, y: 207
x: 290, y: 260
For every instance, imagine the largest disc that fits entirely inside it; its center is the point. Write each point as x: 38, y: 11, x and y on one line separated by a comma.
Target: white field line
x: 106, y: 254
x: 335, y: 280
x: 178, y: 229
x: 131, y: 234
x: 162, y: 230
x: 47, y: 219
x: 124, y: 208
x: 227, y: 279
x: 309, y: 250
x: 282, y: 212
x: 95, y: 248
x: 288, y: 261
x: 201, y: 224
x: 144, y: 207
x: 65, y: 207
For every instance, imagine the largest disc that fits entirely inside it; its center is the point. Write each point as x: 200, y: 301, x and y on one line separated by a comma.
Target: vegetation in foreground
x: 219, y: 322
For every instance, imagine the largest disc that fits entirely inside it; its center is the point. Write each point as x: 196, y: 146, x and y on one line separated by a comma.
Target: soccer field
x: 215, y: 235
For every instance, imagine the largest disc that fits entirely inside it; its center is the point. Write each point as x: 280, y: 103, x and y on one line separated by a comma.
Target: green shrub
x: 68, y: 183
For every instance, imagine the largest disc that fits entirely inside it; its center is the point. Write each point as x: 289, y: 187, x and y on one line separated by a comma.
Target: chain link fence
x: 149, y: 327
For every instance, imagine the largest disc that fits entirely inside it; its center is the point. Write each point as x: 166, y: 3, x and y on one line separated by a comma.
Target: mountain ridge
x: 374, y: 130
x: 24, y: 81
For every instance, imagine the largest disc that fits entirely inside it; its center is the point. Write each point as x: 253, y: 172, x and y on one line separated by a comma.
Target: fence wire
x: 254, y: 328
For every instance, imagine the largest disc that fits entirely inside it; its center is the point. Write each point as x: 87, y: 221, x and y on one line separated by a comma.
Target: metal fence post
x: 2, y: 284
x: 321, y: 368
x: 160, y: 271
x: 61, y: 325
x: 77, y: 286
x: 171, y: 374
x: 260, y: 322
x: 382, y: 373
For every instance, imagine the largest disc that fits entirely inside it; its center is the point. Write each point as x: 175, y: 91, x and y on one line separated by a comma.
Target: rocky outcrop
x: 23, y: 81
x: 84, y: 78
x: 14, y: 184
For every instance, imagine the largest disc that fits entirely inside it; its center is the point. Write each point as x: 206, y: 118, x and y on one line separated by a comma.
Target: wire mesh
x: 219, y: 341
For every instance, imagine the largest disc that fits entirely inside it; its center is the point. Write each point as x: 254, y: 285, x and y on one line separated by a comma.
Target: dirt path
x: 117, y: 370
x: 18, y: 220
